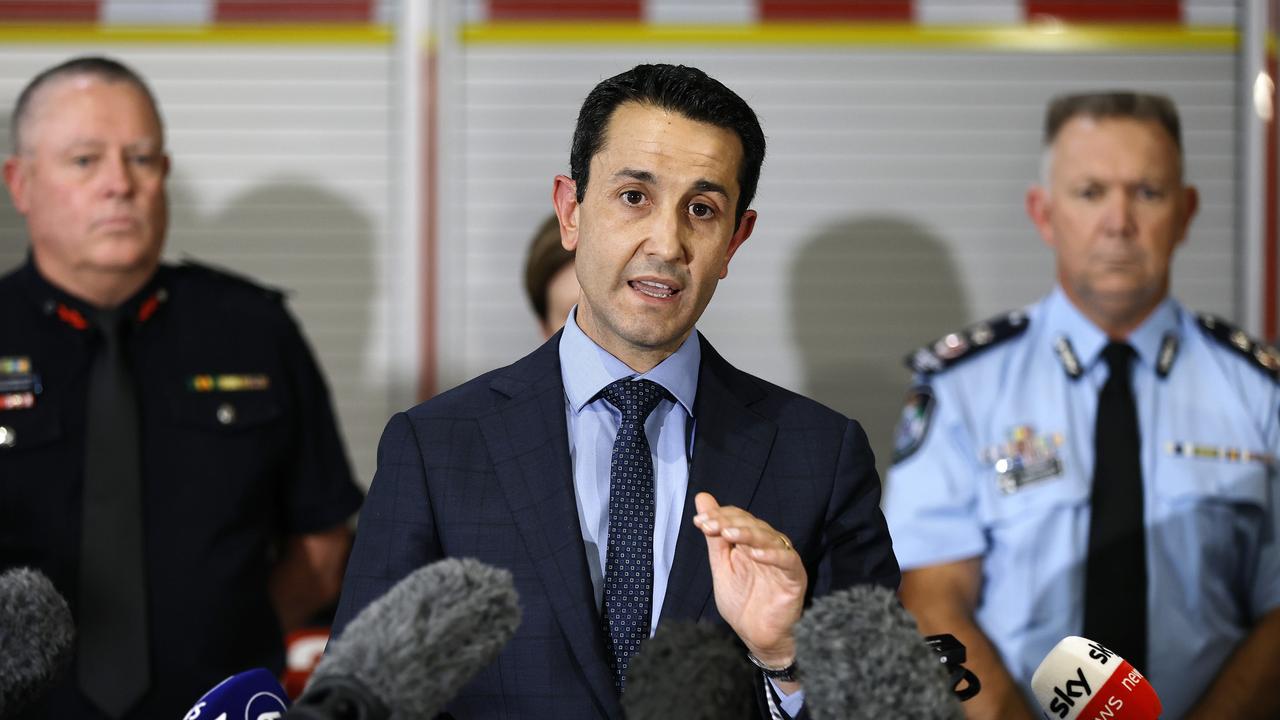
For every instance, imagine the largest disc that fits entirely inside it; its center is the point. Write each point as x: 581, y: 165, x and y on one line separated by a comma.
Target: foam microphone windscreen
x: 859, y: 655
x: 689, y: 671
x: 36, y: 637
x: 1081, y: 679
x: 416, y: 646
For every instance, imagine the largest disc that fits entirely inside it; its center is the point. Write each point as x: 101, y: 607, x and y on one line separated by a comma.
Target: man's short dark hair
x: 95, y: 66
x: 684, y: 90
x: 1123, y: 104
x: 546, y: 258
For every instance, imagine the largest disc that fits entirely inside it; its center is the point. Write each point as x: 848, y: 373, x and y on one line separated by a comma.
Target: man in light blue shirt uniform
x: 989, y: 498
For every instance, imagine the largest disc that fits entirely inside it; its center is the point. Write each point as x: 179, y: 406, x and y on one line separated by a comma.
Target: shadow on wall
x: 864, y: 293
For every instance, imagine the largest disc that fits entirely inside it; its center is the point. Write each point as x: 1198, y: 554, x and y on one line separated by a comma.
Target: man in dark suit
x: 624, y: 472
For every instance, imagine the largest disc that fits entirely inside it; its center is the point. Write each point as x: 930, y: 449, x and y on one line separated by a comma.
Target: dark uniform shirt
x: 239, y: 449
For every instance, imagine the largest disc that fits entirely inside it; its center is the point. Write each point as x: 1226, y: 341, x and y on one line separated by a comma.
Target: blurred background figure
x: 1100, y: 463
x: 549, y: 279
x: 168, y: 451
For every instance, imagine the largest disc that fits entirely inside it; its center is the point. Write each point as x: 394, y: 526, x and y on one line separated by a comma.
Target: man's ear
x: 1190, y: 204
x: 1039, y: 208
x: 740, y: 235
x: 15, y: 178
x: 564, y: 195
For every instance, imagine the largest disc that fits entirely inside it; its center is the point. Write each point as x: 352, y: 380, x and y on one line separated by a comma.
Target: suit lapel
x: 528, y: 442
x: 730, y: 449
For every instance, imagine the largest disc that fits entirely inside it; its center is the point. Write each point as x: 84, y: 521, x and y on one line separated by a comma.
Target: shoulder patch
x: 958, y: 346
x: 215, y: 273
x: 913, y: 425
x: 1263, y: 357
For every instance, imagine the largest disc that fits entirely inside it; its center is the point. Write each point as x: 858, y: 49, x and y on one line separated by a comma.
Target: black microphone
x: 859, y: 655
x: 689, y: 671
x: 36, y: 638
x: 411, y: 650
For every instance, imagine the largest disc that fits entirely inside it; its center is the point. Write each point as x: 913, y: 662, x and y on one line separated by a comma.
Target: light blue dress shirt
x: 1210, y: 435
x: 586, y: 369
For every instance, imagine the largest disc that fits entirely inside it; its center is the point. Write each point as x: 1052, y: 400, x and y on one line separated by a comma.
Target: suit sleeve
x: 397, y: 532
x: 858, y: 549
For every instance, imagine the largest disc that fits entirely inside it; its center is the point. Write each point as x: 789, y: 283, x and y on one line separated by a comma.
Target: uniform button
x: 7, y: 436
x: 226, y: 413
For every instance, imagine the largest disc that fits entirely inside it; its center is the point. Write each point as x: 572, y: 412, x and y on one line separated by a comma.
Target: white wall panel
x: 281, y: 167
x: 891, y: 202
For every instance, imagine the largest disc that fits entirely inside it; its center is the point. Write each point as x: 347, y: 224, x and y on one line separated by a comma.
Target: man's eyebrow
x: 642, y: 175
x: 708, y: 186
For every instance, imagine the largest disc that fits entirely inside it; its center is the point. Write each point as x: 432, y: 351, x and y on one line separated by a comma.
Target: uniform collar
x: 62, y: 306
x: 1065, y: 320
x: 587, y: 368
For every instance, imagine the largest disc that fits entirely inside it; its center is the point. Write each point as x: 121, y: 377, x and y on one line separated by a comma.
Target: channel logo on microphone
x: 1081, y: 679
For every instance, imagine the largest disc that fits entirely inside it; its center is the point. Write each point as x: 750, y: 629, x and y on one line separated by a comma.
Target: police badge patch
x: 917, y: 412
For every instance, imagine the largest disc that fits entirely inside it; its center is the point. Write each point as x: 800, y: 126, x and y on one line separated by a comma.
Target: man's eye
x: 633, y: 197
x: 1148, y: 192
x: 701, y: 210
x: 143, y: 159
x: 1092, y: 192
x: 82, y: 161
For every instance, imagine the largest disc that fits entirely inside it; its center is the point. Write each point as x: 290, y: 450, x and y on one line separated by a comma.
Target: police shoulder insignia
x: 1263, y: 357
x: 917, y: 412
x: 955, y: 347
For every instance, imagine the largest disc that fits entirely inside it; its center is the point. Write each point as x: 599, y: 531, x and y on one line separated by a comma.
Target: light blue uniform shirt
x: 1212, y: 560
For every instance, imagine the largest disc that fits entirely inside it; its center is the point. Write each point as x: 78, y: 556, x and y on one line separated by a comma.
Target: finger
x: 783, y: 559
x: 757, y: 535
x: 708, y: 518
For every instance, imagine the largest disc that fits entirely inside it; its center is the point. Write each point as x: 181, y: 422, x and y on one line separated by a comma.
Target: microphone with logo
x: 859, y: 655
x: 253, y: 694
x: 36, y: 638
x: 410, y: 651
x: 1081, y: 679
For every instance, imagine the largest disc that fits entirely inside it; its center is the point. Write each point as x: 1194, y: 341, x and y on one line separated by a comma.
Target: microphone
x: 1080, y: 678
x: 36, y: 637
x: 690, y: 671
x: 411, y: 650
x: 253, y: 694
x: 860, y: 656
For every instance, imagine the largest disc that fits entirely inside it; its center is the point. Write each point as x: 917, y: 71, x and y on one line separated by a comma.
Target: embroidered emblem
x: 913, y: 425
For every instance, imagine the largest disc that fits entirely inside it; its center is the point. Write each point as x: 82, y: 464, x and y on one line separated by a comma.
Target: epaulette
x: 1263, y: 357
x: 958, y: 346
x: 216, y: 273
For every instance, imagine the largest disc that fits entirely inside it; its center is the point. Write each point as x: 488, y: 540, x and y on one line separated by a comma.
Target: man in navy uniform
x: 168, y: 452
x: 1102, y: 463
x: 624, y: 472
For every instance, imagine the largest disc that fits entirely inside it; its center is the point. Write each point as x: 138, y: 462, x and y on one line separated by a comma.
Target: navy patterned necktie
x: 628, y: 573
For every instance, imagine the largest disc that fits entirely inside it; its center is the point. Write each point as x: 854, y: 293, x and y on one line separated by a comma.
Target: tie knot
x: 1118, y: 355
x: 635, y: 399
x: 111, y: 323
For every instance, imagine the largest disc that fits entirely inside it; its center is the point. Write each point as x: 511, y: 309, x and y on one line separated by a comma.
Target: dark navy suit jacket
x: 483, y: 471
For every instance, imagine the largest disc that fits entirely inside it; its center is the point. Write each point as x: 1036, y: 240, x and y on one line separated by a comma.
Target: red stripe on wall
x: 1106, y: 10
x: 1270, y: 241
x: 49, y: 10
x: 565, y: 9
x: 344, y: 11
x: 888, y: 10
x: 427, y: 367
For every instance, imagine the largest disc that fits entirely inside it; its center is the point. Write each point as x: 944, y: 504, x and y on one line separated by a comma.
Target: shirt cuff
x: 791, y: 704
